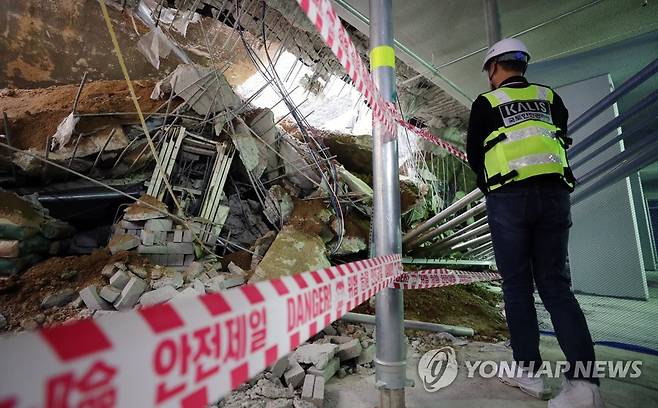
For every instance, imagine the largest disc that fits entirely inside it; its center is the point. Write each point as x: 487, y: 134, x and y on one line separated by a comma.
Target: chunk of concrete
x: 199, y: 287
x: 235, y: 269
x: 294, y: 376
x: 292, y: 252
x: 318, y: 392
x: 158, y: 296
x: 280, y: 367
x: 120, y: 279
x: 130, y: 294
x: 329, y: 371
x: 214, y: 284
x: 139, y: 271
x: 92, y: 300
x: 308, y: 387
x: 232, y: 281
x: 159, y: 224
x: 147, y: 237
x: 367, y: 355
x: 60, y: 298
x: 123, y: 242
x: 188, y: 292
x: 317, y: 354
x: 339, y: 339
x: 349, y: 350
x: 110, y: 293
x: 269, y: 389
x: 109, y: 270
x: 170, y: 278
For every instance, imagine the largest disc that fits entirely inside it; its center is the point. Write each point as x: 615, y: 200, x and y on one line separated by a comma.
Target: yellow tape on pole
x: 382, y: 56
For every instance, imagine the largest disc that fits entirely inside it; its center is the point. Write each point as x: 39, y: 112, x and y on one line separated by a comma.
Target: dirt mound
x: 21, y: 296
x: 462, y: 305
x: 35, y: 113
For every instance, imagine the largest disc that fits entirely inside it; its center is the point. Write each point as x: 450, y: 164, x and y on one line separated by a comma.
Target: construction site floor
x: 359, y: 391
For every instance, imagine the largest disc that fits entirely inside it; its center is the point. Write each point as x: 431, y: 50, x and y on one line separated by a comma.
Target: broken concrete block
x: 318, y: 392
x: 330, y: 331
x: 317, y: 354
x: 188, y: 260
x: 367, y: 355
x: 339, y: 339
x: 186, y: 293
x: 147, y: 237
x: 139, y: 271
x: 294, y: 375
x: 121, y: 265
x: 109, y: 270
x: 123, y: 242
x: 199, y: 287
x: 307, y: 388
x: 130, y: 294
x: 329, y: 371
x: 183, y: 248
x: 193, y: 271
x: 120, y: 279
x: 292, y: 252
x: 58, y: 299
x: 341, y: 373
x: 170, y: 278
x: 92, y: 300
x: 158, y: 296
x: 214, y: 284
x: 235, y: 269
x: 232, y: 281
x: 130, y: 225
x: 159, y: 224
x: 175, y: 259
x: 139, y: 212
x: 110, y: 293
x: 349, y: 350
x: 280, y: 367
x: 269, y: 389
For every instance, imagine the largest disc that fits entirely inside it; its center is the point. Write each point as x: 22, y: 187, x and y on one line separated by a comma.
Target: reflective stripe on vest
x: 526, y: 145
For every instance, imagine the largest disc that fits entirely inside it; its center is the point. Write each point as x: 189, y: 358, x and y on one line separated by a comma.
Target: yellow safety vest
x: 527, y: 144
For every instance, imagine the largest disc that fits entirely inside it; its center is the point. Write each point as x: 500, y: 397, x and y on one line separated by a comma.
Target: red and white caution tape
x: 185, y: 353
x: 328, y: 25
x: 192, y: 351
x: 433, y: 278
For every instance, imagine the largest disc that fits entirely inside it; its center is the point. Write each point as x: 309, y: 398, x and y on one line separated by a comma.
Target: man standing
x: 517, y: 146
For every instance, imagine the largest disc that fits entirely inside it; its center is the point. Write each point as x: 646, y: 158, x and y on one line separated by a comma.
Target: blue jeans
x: 530, y: 231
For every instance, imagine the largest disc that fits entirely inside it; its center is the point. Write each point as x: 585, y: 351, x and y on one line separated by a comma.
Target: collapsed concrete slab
x: 292, y: 251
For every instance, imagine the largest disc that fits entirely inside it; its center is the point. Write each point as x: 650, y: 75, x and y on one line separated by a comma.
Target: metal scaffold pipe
x: 391, y: 353
x: 474, y: 242
x: 456, y: 206
x: 630, y: 84
x: 457, y: 238
x: 480, y: 208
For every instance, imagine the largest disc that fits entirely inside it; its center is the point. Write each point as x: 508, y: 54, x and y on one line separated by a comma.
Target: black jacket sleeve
x: 477, y: 131
x: 560, y: 114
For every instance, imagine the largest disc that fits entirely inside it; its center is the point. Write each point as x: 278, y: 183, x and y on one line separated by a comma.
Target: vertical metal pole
x: 492, y: 20
x: 391, y: 355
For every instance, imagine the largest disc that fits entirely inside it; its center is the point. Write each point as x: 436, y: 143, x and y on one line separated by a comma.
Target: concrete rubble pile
x: 298, y: 379
x: 27, y: 233
x: 129, y: 285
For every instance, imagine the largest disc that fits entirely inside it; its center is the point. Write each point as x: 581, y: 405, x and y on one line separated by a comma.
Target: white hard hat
x: 507, y: 46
